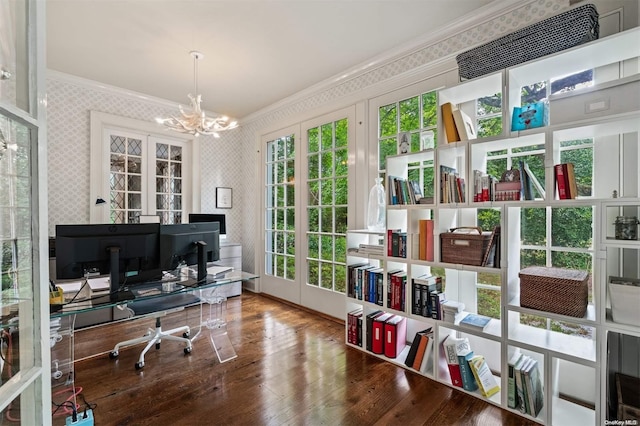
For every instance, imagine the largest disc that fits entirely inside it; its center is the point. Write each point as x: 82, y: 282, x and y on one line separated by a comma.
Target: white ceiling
x: 256, y: 52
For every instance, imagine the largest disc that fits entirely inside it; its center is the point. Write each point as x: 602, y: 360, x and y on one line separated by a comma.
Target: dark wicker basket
x: 568, y: 29
x: 464, y: 248
x: 556, y: 290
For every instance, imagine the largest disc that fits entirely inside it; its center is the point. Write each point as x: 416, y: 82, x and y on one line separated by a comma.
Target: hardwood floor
x: 292, y: 368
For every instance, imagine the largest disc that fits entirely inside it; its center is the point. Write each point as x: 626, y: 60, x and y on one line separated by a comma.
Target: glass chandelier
x: 195, y: 122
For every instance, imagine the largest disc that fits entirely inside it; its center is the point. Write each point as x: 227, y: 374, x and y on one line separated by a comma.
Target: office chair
x: 158, y: 308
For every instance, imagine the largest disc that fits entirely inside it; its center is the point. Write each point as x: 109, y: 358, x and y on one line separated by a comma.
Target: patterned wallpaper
x: 231, y: 160
x: 68, y: 120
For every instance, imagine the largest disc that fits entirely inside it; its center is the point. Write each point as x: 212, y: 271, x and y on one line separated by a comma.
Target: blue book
x: 475, y: 321
x: 464, y: 353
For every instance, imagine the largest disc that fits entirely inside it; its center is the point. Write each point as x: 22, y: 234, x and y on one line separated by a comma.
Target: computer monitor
x: 191, y: 243
x: 210, y: 217
x: 129, y: 253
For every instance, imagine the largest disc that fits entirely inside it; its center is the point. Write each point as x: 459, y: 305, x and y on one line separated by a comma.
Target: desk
x: 150, y: 299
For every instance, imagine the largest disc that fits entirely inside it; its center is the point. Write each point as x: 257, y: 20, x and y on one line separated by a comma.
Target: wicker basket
x: 568, y: 29
x: 465, y: 248
x: 556, y: 290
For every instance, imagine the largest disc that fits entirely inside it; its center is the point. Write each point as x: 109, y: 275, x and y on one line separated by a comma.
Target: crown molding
x: 88, y: 84
x: 483, y: 15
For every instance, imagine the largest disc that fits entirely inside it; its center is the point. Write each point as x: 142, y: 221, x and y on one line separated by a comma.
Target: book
x: 527, y: 189
x: 449, y: 123
x: 561, y: 182
x: 490, y: 252
x: 413, y: 349
x: 451, y: 358
x: 422, y: 347
x: 511, y: 379
x: 414, y: 185
x: 377, y: 340
x: 425, y: 251
x: 395, y: 336
x: 475, y: 321
x: 484, y: 377
x: 437, y: 298
x: 464, y: 125
x: 572, y: 187
x: 533, y: 385
x: 520, y: 396
x: 353, y: 319
x: 369, y: 333
x: 427, y: 358
x: 464, y: 352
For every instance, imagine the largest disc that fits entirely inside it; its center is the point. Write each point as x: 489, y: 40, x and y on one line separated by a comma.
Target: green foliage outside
x: 327, y: 187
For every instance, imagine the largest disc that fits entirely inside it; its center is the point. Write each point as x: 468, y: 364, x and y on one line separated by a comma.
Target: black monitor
x: 190, y: 243
x: 129, y: 253
x: 210, y: 217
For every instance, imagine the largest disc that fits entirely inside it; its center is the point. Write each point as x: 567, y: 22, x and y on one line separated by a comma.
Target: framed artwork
x: 224, y: 198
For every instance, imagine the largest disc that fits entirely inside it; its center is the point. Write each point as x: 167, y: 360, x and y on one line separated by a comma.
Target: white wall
x: 70, y: 101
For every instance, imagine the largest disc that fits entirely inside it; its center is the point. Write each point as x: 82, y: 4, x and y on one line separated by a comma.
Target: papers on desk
x: 70, y: 287
x: 218, y: 271
x: 99, y: 284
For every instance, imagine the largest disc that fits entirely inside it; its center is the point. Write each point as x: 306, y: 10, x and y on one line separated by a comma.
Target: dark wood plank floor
x: 292, y: 368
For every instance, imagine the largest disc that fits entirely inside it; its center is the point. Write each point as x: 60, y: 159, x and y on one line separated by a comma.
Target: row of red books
x: 386, y: 333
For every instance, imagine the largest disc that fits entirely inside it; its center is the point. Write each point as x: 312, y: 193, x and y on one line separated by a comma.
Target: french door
x: 307, y: 189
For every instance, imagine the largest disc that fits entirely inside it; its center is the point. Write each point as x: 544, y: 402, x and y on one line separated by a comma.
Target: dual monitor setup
x: 137, y: 253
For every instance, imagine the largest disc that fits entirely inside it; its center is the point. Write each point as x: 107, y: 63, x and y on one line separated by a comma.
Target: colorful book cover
x: 484, y: 377
x: 475, y: 321
x: 452, y: 360
x: 464, y: 353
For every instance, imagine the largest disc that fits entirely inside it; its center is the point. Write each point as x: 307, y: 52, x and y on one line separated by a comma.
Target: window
x: 327, y: 205
x: 141, y: 173
x: 417, y: 115
x: 280, y: 232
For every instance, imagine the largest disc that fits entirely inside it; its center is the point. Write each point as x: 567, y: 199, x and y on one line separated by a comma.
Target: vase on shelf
x: 376, y: 208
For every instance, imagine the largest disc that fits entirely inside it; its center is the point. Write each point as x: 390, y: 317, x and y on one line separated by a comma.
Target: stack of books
x: 452, y: 311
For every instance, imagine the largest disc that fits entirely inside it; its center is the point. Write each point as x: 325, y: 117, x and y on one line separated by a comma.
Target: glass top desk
x: 157, y: 299
x: 86, y: 300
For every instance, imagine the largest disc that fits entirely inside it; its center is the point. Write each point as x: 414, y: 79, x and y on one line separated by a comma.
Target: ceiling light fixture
x: 195, y: 122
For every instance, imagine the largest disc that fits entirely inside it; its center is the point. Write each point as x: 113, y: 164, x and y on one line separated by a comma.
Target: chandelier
x: 195, y: 122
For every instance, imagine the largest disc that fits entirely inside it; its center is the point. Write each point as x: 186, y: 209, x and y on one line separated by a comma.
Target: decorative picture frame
x: 224, y: 198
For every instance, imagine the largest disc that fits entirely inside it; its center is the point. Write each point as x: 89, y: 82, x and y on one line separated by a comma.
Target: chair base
x: 154, y: 337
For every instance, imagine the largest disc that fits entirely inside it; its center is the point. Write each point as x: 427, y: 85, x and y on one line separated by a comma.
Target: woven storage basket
x: 465, y: 248
x: 556, y: 290
x: 568, y: 29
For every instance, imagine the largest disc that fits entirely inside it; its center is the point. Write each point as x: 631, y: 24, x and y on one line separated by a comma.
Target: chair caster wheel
x: 139, y: 365
x: 113, y: 355
x: 185, y: 334
x: 157, y: 345
x: 187, y: 351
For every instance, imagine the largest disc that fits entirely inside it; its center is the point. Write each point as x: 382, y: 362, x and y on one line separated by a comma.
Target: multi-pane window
x: 125, y: 179
x: 132, y: 159
x: 169, y: 183
x: 16, y: 238
x: 417, y: 118
x: 327, y: 205
x: 280, y: 233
